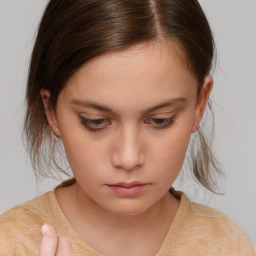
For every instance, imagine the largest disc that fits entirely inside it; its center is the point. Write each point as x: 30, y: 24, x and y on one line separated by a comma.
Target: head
x: 83, y: 48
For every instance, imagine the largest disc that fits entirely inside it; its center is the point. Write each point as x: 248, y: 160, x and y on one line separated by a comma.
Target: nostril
x: 128, y: 152
x: 127, y: 162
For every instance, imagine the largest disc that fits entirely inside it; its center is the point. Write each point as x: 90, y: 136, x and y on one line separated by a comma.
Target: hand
x: 54, y: 245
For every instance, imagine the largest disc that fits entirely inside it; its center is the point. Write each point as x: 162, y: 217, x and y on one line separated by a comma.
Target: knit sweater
x: 195, y: 230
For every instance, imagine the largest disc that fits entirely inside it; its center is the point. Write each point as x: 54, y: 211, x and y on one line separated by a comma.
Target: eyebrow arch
x: 97, y: 106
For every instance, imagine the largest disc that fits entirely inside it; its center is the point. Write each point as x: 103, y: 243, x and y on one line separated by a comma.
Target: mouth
x: 131, y: 189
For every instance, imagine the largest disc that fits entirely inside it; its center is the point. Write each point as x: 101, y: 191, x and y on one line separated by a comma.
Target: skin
x: 130, y: 144
x: 52, y: 244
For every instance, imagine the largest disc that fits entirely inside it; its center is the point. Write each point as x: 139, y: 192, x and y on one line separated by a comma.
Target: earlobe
x: 50, y: 114
x: 202, y: 101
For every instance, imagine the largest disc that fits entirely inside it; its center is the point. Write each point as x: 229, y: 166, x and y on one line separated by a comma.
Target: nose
x: 128, y: 154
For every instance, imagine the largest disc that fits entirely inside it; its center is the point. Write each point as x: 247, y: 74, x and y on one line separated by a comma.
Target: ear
x: 202, y: 101
x: 50, y: 113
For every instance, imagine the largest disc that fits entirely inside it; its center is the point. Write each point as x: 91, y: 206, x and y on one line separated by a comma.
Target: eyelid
x: 92, y: 116
x: 166, y: 114
x: 88, y: 123
x: 161, y: 118
x: 167, y: 121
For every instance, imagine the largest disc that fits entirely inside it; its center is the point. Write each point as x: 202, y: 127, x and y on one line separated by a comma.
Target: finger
x: 64, y: 247
x: 49, y: 242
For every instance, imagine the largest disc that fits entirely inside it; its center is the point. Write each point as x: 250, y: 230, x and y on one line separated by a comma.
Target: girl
x: 123, y: 85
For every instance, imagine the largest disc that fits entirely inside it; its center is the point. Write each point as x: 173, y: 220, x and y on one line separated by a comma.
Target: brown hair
x: 72, y: 32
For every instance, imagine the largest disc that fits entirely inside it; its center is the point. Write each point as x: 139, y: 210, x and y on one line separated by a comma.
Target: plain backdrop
x: 234, y: 26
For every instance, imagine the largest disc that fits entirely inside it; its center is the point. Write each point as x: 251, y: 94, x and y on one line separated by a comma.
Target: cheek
x: 85, y: 161
x: 170, y: 152
x: 81, y: 153
x: 76, y: 138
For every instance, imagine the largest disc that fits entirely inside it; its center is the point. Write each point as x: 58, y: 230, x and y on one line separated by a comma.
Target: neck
x: 94, y: 223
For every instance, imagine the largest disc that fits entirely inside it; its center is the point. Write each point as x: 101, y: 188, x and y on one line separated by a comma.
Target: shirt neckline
x: 68, y: 231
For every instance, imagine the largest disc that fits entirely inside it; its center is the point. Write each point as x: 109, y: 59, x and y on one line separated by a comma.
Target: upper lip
x: 128, y: 184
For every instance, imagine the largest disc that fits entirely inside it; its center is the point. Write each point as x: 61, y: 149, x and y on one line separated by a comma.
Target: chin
x: 128, y: 209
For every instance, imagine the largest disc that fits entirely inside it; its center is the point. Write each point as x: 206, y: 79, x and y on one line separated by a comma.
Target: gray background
x: 233, y: 23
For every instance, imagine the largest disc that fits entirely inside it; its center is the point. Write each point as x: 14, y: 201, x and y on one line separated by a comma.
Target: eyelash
x: 167, y: 122
x: 88, y: 123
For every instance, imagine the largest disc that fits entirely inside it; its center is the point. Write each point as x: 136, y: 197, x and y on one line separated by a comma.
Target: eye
x: 94, y: 124
x: 161, y: 123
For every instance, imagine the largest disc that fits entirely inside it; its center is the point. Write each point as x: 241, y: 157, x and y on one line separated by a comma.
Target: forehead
x: 140, y: 74
x: 144, y: 52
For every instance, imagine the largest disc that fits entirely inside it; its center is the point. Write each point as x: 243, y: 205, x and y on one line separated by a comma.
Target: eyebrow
x: 97, y: 106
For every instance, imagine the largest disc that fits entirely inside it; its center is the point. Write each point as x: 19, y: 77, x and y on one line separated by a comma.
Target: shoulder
x: 20, y: 226
x: 226, y: 236
x: 207, y: 231
x: 216, y: 221
x: 35, y: 211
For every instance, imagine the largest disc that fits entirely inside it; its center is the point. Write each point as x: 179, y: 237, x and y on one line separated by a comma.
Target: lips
x: 130, y: 189
x: 128, y: 185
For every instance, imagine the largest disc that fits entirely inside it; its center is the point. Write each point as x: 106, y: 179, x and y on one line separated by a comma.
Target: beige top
x: 195, y: 230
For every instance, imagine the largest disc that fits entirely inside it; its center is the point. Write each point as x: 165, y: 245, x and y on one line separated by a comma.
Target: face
x: 125, y: 119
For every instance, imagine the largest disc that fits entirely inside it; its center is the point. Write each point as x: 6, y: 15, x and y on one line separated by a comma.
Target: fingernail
x: 45, y: 229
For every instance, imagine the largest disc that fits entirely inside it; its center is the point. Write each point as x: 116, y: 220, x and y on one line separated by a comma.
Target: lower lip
x: 128, y: 191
